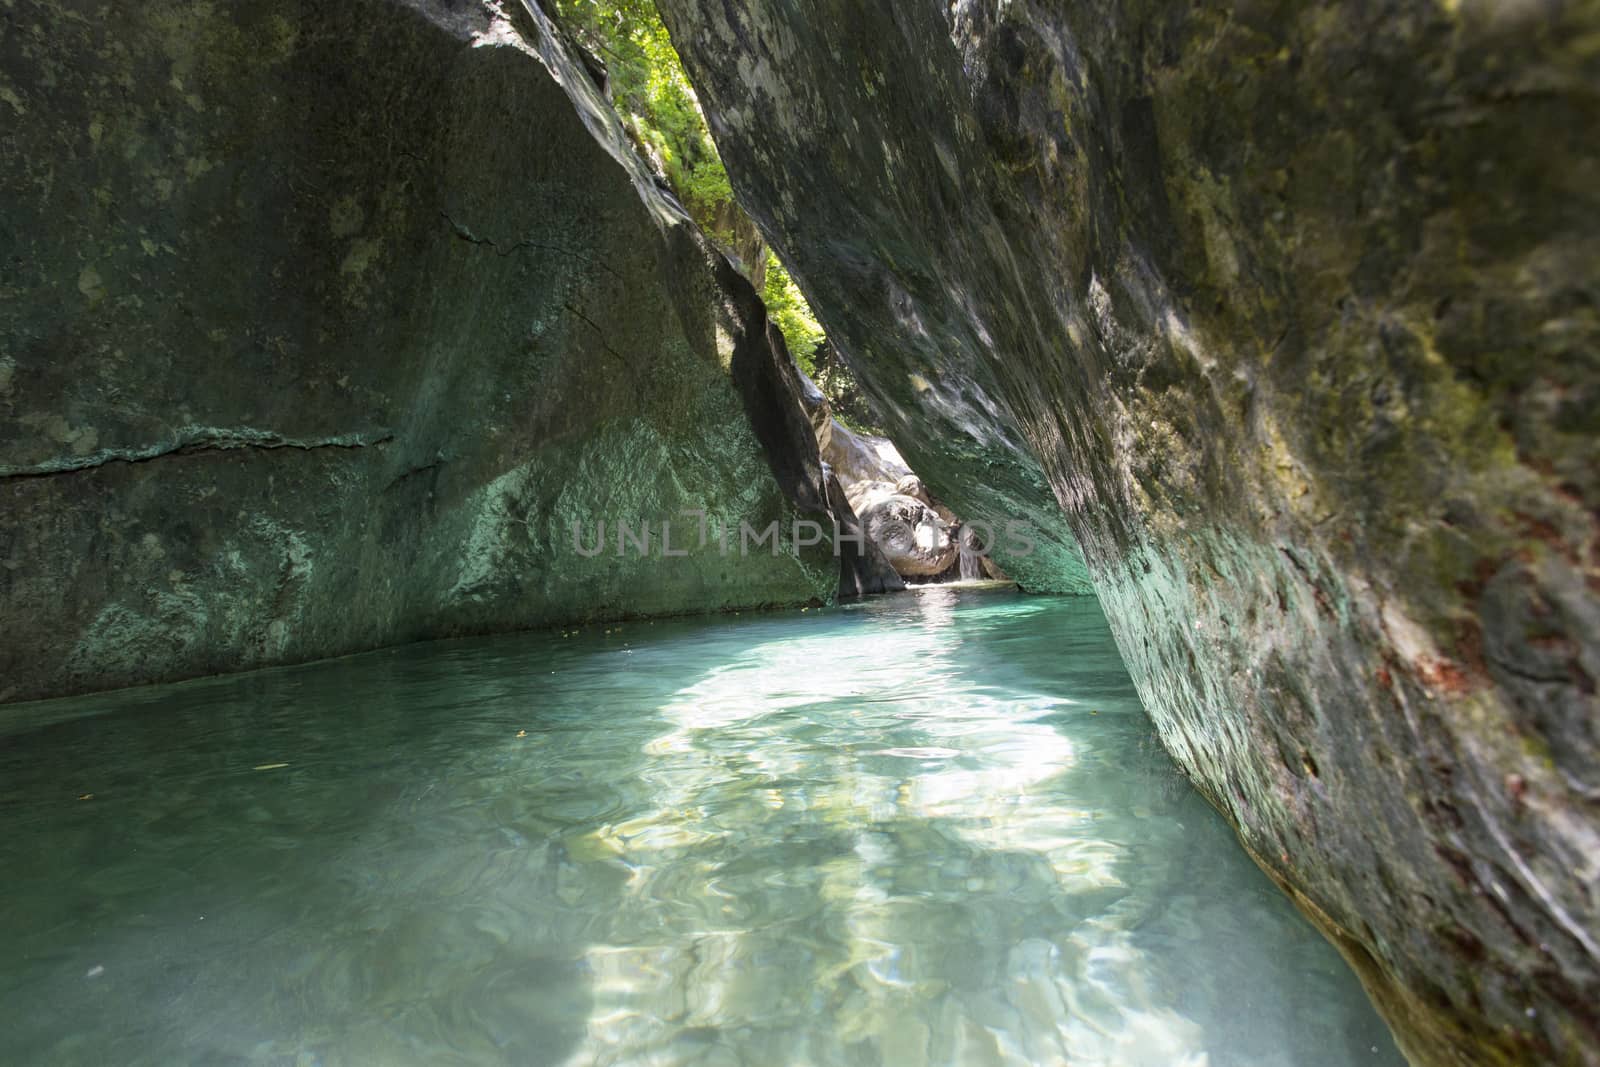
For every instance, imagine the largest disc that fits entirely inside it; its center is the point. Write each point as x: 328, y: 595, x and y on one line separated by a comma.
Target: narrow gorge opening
x: 664, y: 531
x: 626, y: 50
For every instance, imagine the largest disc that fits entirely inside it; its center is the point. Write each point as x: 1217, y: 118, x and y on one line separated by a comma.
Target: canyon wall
x: 1292, y: 309
x: 320, y: 324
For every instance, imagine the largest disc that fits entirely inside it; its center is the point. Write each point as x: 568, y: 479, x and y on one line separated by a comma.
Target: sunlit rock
x: 915, y: 539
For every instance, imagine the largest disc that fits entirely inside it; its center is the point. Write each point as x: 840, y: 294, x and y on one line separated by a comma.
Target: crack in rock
x: 466, y: 234
x: 627, y: 368
x: 191, y: 440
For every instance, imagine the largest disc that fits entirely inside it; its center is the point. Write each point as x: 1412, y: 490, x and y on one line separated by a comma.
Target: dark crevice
x: 210, y: 441
x: 627, y: 368
x: 1562, y: 677
x: 413, y: 472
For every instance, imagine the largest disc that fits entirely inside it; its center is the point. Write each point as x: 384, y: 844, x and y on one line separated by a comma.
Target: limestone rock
x: 916, y: 541
x: 1291, y: 311
x: 322, y: 325
x: 870, y: 472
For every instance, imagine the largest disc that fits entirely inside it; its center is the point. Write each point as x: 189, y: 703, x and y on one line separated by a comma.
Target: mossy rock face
x: 1294, y: 309
x: 321, y: 324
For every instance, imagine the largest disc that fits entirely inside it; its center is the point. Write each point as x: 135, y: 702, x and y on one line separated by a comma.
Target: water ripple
x: 929, y: 830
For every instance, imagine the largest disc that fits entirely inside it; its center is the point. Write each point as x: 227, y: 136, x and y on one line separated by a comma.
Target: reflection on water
x: 932, y: 829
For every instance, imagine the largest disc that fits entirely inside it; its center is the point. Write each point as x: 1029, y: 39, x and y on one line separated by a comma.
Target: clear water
x: 930, y: 829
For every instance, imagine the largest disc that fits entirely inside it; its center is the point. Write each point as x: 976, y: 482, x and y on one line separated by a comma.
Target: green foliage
x: 808, y: 344
x: 653, y: 96
x: 788, y: 309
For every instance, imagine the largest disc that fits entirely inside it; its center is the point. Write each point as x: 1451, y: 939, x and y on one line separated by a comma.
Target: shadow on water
x: 925, y: 829
x: 364, y: 903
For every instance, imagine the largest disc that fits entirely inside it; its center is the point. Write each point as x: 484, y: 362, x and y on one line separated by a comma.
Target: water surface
x: 930, y: 829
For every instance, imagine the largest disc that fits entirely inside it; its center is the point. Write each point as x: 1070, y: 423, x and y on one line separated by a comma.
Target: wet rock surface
x: 1291, y: 310
x: 321, y: 325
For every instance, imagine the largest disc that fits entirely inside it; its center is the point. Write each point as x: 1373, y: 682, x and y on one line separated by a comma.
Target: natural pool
x: 928, y: 829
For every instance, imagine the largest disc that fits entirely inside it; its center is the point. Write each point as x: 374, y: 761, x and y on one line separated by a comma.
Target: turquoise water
x: 931, y: 829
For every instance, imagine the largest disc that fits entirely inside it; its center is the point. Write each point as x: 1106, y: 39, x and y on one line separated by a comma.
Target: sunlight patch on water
x: 804, y: 713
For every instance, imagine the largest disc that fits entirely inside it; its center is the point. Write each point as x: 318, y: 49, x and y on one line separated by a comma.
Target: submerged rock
x: 328, y: 327
x: 1291, y: 311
